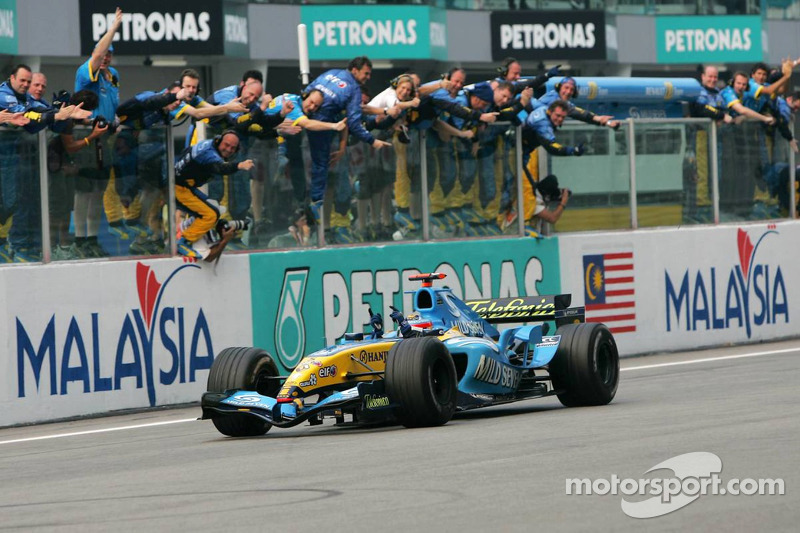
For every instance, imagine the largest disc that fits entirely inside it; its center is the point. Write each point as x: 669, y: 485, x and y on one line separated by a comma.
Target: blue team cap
x: 568, y: 79
x: 110, y: 48
x: 484, y: 91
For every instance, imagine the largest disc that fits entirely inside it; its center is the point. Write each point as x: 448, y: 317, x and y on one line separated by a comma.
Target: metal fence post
x: 173, y: 231
x: 632, y: 164
x: 423, y: 168
x: 44, y: 196
x: 792, y: 184
x: 714, y: 172
x: 520, y: 189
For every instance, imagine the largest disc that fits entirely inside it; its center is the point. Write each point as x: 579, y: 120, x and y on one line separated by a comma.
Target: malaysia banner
x: 608, y: 288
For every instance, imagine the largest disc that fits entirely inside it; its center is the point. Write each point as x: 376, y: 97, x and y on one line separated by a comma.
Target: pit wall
x: 88, y: 338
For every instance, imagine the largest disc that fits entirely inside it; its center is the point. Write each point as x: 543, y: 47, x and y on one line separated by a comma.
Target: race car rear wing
x: 528, y: 309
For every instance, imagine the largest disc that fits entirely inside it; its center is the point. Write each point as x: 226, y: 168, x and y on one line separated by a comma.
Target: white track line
x: 89, y: 432
x: 643, y: 367
x: 712, y: 359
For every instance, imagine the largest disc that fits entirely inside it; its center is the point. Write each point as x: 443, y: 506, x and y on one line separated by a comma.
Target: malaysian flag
x: 608, y: 290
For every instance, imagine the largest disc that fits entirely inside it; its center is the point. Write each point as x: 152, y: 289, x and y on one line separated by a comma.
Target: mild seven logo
x: 138, y: 335
x: 744, y: 295
x: 290, y: 328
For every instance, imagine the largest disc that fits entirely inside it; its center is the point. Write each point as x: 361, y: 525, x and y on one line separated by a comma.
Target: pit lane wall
x: 86, y: 338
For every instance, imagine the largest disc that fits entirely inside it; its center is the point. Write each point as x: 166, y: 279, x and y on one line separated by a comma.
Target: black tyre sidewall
x: 243, y: 368
x: 421, y: 380
x: 586, y: 365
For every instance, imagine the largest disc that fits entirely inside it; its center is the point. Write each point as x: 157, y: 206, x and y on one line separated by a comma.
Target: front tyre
x: 243, y: 369
x: 585, y: 368
x: 421, y: 380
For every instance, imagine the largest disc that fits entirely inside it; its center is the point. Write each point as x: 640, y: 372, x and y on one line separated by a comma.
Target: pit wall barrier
x: 87, y: 338
x: 663, y: 290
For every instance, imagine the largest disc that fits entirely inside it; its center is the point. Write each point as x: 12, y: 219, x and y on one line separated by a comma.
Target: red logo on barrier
x: 148, y: 287
x: 745, y: 251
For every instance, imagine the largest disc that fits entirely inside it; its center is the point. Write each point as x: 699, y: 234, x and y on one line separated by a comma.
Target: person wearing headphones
x: 254, y: 123
x: 510, y: 70
x: 194, y: 168
x: 733, y: 96
x: 430, y: 114
x: 539, y: 130
x: 302, y: 105
x: 737, y: 169
x: 20, y: 191
x: 479, y: 156
x: 565, y: 90
x: 446, y: 199
x: 382, y: 114
x: 139, y: 157
x: 709, y: 104
x: 193, y: 105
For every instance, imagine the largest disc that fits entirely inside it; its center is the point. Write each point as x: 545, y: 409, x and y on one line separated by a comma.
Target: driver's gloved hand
x: 400, y: 320
x: 376, y: 321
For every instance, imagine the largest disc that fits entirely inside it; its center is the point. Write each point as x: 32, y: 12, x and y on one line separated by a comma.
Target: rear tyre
x: 421, y: 380
x: 243, y: 369
x: 586, y: 366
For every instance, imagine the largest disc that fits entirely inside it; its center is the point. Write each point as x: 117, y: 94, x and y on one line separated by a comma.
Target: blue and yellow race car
x: 446, y: 356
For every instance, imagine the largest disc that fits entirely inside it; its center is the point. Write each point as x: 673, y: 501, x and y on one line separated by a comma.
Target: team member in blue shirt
x: 477, y: 156
x: 17, y: 184
x: 787, y: 108
x: 759, y: 93
x: 709, y: 104
x: 342, y: 94
x: 253, y: 122
x: 195, y: 167
x: 98, y: 76
x: 566, y: 90
x: 539, y: 130
x: 139, y: 159
x: 732, y: 97
x: 193, y: 105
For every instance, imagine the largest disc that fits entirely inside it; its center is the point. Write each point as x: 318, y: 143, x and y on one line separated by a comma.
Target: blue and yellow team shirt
x: 105, y: 85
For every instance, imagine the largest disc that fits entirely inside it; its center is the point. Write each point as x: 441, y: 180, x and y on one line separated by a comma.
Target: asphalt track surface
x: 497, y: 469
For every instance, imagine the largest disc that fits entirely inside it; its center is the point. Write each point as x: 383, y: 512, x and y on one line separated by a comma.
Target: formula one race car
x: 446, y: 356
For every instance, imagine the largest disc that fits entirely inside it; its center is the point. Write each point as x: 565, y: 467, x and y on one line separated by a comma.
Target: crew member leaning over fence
x: 539, y: 130
x: 195, y: 167
x: 341, y: 88
x: 16, y: 173
x: 477, y: 157
x: 425, y: 116
x: 697, y: 175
